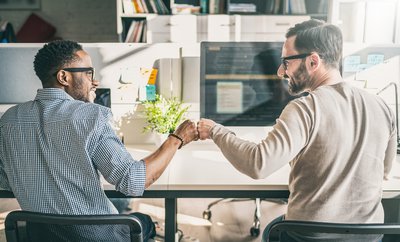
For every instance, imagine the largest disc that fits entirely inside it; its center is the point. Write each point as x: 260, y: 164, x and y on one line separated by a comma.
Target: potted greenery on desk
x: 163, y: 116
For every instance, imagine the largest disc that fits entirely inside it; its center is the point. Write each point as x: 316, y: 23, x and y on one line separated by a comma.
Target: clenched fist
x: 204, y: 127
x: 187, y: 131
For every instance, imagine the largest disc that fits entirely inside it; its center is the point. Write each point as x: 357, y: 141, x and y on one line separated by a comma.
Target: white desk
x: 199, y: 170
x: 201, y: 165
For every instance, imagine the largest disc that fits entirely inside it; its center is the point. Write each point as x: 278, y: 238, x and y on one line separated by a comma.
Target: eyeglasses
x: 88, y: 70
x: 285, y: 62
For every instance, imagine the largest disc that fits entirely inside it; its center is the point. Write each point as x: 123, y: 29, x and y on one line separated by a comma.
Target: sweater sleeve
x: 287, y: 138
x: 390, y: 153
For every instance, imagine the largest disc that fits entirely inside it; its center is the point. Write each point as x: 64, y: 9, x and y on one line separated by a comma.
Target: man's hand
x: 204, y: 127
x: 187, y: 131
x: 92, y: 94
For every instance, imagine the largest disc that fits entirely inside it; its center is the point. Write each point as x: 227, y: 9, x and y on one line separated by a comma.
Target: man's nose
x: 95, y: 83
x: 281, y: 72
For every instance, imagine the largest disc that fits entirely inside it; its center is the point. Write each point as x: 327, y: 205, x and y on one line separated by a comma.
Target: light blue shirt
x: 52, y: 150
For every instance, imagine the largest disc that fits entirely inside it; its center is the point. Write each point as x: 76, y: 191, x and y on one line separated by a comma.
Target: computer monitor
x: 239, y: 85
x: 103, y: 97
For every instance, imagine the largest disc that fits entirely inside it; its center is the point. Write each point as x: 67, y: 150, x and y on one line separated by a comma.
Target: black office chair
x: 16, y: 224
x: 391, y: 232
x: 255, y: 229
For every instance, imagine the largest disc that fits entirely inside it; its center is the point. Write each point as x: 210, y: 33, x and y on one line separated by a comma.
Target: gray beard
x: 300, y: 80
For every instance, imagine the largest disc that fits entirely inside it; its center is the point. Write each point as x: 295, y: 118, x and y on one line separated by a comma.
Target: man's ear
x: 62, y: 78
x: 315, y: 61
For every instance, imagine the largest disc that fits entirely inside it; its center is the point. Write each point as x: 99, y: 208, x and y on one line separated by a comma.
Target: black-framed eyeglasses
x: 88, y: 70
x: 285, y: 59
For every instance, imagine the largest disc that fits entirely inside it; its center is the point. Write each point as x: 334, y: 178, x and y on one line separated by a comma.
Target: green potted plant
x: 163, y: 115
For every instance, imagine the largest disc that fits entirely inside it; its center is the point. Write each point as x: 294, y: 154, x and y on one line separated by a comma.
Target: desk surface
x: 201, y: 166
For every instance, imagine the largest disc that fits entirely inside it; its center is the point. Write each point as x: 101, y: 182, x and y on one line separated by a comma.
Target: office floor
x: 229, y: 222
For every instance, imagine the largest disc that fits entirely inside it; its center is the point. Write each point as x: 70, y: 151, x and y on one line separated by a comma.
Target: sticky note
x: 153, y: 77
x: 150, y: 92
x: 351, y: 63
x: 374, y: 59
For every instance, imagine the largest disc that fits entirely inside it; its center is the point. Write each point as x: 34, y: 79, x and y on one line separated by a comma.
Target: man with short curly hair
x: 53, y: 148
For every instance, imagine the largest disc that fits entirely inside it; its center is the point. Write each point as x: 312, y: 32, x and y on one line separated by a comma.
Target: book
x: 211, y: 6
x: 297, y: 7
x: 158, y: 6
x: 137, y: 33
x: 216, y: 6
x: 204, y: 6
x: 269, y: 7
x: 130, y: 33
x: 164, y: 9
x: 127, y: 6
x: 222, y: 6
x: 277, y: 6
x: 144, y: 6
x: 144, y: 33
x: 153, y: 6
x: 138, y: 9
x: 148, y: 6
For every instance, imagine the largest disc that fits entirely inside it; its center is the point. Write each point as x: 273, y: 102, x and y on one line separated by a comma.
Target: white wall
x: 79, y: 20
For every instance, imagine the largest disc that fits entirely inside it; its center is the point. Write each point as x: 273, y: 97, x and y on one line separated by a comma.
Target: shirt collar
x: 52, y: 93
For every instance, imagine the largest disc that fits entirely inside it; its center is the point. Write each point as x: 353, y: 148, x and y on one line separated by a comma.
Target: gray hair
x: 317, y: 36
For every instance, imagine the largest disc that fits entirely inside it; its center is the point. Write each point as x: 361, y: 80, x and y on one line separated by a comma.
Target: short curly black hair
x: 52, y: 57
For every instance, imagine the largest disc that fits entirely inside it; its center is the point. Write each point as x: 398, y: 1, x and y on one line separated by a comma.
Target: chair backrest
x: 12, y: 219
x: 331, y: 228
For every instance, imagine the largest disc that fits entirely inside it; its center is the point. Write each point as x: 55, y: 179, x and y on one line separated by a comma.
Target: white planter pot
x: 159, y: 138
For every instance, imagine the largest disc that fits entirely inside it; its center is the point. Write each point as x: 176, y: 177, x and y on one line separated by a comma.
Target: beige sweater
x: 340, y: 142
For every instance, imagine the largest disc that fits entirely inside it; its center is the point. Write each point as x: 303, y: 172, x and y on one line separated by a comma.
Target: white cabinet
x: 212, y: 27
x: 172, y: 28
x: 221, y: 27
x: 209, y: 27
x: 266, y: 27
x: 367, y: 21
x: 191, y: 28
x: 217, y: 27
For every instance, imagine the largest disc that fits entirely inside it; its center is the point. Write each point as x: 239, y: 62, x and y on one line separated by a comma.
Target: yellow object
x: 152, y: 77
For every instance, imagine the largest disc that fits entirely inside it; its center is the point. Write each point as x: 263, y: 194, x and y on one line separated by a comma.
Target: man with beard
x: 339, y: 140
x: 53, y: 149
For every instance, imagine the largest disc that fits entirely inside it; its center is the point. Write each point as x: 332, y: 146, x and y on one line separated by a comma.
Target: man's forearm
x: 157, y: 162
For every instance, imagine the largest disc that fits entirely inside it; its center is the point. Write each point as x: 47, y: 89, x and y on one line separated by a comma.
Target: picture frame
x: 19, y: 4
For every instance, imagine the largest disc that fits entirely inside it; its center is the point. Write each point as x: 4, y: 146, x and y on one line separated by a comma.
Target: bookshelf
x: 315, y: 8
x: 228, y: 17
x: 133, y: 15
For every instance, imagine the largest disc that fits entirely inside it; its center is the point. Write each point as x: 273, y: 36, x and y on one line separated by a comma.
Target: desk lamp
x: 397, y: 110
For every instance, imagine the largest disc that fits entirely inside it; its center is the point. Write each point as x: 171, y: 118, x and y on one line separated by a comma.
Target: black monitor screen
x: 103, y: 97
x: 239, y: 85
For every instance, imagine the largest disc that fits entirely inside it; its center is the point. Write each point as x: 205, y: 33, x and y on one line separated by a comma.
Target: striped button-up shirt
x: 52, y: 150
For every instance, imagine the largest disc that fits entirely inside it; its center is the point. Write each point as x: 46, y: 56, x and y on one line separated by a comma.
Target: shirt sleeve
x: 288, y: 136
x: 116, y: 164
x: 3, y: 178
